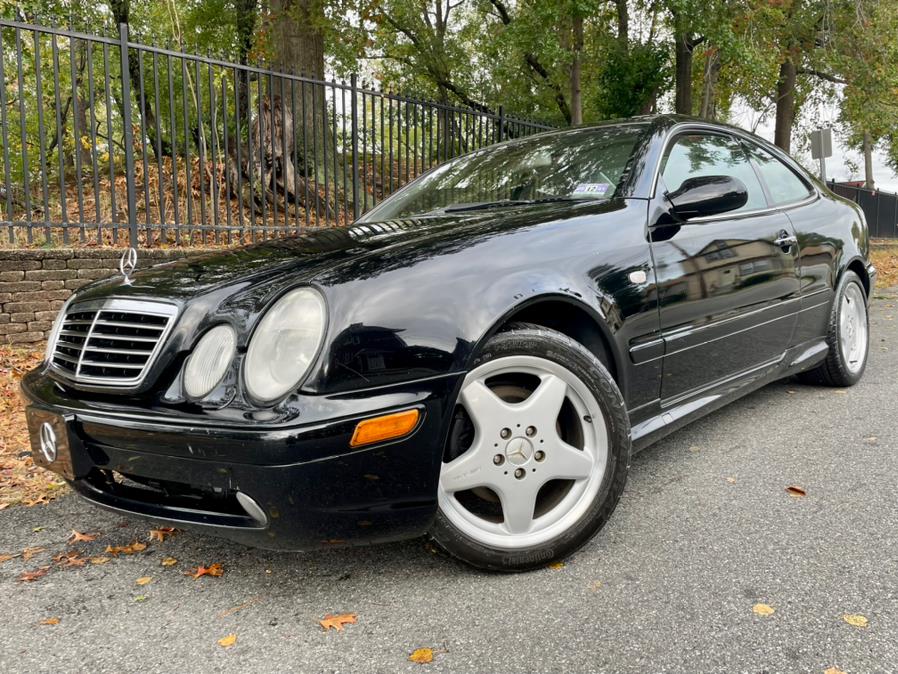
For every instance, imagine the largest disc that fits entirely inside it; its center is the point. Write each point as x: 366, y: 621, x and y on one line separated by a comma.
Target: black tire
x: 833, y: 371
x: 532, y: 340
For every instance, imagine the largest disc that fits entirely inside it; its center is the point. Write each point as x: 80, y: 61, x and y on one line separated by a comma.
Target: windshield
x: 583, y: 164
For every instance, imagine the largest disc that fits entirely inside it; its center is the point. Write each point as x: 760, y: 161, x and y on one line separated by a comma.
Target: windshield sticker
x: 597, y: 189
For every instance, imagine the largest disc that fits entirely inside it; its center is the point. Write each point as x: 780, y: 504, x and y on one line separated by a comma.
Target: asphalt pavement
x: 705, y: 532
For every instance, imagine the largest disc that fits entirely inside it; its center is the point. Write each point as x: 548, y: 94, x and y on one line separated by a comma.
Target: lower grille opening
x: 170, y: 495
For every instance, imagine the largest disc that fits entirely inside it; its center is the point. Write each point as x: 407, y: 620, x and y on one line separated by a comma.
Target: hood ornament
x: 127, y: 264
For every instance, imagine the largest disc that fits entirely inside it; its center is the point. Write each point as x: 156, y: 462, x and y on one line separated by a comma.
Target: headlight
x: 209, y: 361
x: 285, y: 342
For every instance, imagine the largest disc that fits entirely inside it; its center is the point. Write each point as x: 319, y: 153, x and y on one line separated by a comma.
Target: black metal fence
x: 880, y: 208
x: 108, y: 141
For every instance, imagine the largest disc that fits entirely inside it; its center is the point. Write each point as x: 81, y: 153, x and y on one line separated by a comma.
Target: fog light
x: 387, y: 427
x: 252, y: 508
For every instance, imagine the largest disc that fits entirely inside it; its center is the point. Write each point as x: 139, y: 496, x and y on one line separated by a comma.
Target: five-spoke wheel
x: 535, y: 450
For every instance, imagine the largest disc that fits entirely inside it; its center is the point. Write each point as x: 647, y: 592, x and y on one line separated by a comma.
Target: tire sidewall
x: 835, y: 338
x: 558, y: 348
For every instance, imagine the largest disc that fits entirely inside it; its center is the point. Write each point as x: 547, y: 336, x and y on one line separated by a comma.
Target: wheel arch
x: 859, y: 267
x: 567, y: 315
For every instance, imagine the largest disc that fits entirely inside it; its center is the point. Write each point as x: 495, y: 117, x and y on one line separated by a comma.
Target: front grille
x: 111, y: 342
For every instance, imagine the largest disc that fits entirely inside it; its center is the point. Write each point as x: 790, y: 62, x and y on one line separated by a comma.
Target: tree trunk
x: 683, y: 56
x: 868, y: 161
x: 623, y: 23
x: 709, y: 93
x: 576, y: 72
x: 785, y: 105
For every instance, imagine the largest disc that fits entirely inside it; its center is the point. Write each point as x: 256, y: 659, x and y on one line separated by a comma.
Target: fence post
x: 129, y: 135
x: 353, y: 83
x: 501, y: 123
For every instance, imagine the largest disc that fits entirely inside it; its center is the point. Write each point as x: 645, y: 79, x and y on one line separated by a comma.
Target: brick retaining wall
x: 34, y: 284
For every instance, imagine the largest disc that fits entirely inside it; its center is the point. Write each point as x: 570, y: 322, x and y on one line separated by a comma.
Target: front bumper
x: 302, y: 486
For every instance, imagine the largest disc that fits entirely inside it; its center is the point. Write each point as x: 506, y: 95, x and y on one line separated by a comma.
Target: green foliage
x: 630, y: 79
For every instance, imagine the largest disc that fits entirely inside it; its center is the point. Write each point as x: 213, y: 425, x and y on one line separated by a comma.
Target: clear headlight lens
x: 284, y: 344
x: 209, y: 361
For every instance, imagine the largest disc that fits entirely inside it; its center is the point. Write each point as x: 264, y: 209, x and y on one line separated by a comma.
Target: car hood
x: 359, y: 249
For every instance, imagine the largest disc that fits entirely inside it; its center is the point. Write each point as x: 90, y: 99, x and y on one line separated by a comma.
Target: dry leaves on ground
x: 50, y: 621
x: 795, y: 491
x: 36, y: 574
x: 162, y: 533
x: 67, y: 559
x: 21, y: 481
x: 886, y: 260
x: 421, y: 655
x: 763, y: 610
x: 214, y: 570
x: 856, y: 620
x: 337, y: 621
x: 78, y: 537
x: 144, y: 580
x: 116, y: 550
x: 228, y: 641
x: 169, y: 561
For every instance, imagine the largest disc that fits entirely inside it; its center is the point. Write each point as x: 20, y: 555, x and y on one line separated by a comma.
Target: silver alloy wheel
x: 518, y: 447
x: 853, y: 328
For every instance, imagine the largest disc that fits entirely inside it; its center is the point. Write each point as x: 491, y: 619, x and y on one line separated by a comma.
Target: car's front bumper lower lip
x: 292, y: 488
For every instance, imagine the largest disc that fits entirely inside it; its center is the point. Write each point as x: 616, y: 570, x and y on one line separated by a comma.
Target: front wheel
x: 537, y: 455
x: 848, y: 337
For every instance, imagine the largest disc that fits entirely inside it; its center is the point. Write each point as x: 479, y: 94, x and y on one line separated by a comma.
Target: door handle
x: 785, y: 240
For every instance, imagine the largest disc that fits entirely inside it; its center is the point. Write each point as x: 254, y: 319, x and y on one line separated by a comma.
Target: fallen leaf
x: 144, y: 580
x: 161, y: 533
x: 421, y: 655
x: 872, y: 440
x: 78, y: 537
x: 100, y: 560
x: 763, y: 610
x: 28, y: 553
x: 31, y: 576
x: 856, y: 620
x: 796, y: 492
x: 50, y: 621
x: 833, y: 670
x: 37, y: 530
x: 141, y: 597
x: 731, y: 480
x: 66, y: 559
x: 169, y: 561
x: 555, y: 566
x: 214, y: 570
x: 337, y: 621
x: 116, y: 550
x: 228, y: 641
x: 5, y: 558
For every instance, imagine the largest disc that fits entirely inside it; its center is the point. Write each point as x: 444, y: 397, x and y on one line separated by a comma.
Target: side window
x: 696, y: 154
x: 784, y: 186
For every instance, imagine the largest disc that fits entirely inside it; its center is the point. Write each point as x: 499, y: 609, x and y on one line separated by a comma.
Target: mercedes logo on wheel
x: 127, y: 264
x: 48, y: 442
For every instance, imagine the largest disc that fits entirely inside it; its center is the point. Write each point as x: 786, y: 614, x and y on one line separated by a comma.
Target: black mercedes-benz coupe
x: 474, y: 359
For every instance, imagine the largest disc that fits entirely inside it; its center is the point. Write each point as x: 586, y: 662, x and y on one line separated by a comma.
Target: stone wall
x: 34, y: 284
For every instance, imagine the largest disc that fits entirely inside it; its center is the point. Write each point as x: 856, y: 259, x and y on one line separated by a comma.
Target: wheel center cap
x: 518, y: 451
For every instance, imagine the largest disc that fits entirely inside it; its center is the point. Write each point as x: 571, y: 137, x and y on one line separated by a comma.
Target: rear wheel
x: 537, y: 456
x: 848, y: 337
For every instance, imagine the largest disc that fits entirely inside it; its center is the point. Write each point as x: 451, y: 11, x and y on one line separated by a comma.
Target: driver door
x: 728, y: 288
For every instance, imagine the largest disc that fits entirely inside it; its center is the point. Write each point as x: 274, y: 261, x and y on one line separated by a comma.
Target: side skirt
x: 684, y: 410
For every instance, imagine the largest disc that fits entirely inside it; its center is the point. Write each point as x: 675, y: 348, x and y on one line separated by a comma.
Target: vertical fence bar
x: 143, y: 140
x: 213, y: 188
x: 201, y: 136
x: 353, y: 83
x: 110, y: 146
x: 176, y: 206
x: 94, y: 159
x: 159, y: 162
x: 39, y: 93
x: 225, y: 156
x: 7, y: 179
x: 23, y: 129
x: 129, y: 136
x: 76, y: 136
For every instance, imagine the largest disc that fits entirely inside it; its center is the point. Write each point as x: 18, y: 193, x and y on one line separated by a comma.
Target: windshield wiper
x: 483, y: 205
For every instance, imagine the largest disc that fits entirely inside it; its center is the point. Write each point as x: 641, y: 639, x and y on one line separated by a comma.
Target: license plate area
x: 51, y: 445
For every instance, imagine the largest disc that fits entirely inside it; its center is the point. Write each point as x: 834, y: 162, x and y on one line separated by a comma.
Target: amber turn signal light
x: 387, y: 427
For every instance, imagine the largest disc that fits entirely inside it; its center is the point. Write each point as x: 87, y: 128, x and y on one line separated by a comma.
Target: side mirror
x: 707, y: 195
